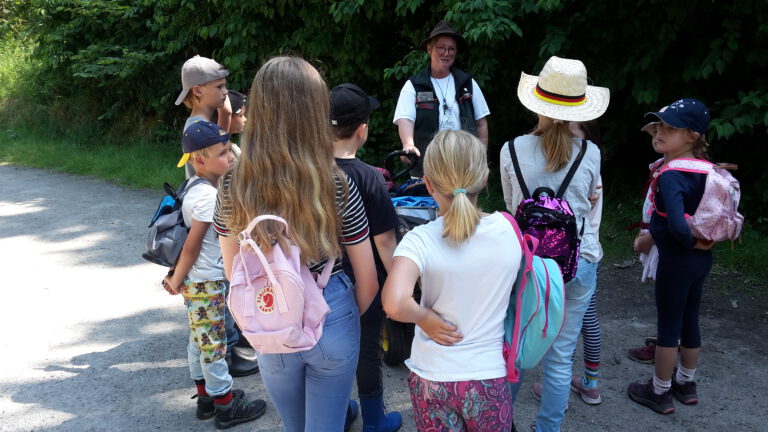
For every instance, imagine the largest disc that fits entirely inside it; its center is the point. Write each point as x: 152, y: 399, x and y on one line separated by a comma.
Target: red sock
x: 200, y: 384
x: 223, y: 400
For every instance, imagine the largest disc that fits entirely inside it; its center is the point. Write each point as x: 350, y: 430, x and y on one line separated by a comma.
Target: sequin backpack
x: 717, y: 217
x: 274, y: 298
x: 547, y: 217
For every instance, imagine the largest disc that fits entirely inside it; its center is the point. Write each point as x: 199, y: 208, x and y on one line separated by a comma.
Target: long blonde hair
x: 286, y: 167
x: 456, y: 161
x: 556, y: 141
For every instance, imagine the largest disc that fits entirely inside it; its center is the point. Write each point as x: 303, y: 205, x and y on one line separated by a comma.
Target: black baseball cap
x: 350, y: 105
x: 237, y: 101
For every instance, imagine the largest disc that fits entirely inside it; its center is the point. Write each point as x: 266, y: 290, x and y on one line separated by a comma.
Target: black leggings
x: 679, y: 285
x: 369, y: 366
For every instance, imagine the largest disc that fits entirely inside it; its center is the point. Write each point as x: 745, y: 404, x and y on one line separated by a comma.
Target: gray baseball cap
x: 197, y: 71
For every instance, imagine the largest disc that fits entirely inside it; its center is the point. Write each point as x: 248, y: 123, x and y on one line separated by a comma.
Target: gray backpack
x: 167, y: 231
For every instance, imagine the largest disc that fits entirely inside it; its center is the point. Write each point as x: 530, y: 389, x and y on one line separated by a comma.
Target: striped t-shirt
x: 354, y: 223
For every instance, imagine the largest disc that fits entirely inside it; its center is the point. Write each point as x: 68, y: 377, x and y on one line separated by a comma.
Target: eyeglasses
x: 442, y: 50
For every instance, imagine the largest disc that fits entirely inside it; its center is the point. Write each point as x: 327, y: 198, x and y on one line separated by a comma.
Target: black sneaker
x: 685, y: 392
x: 644, y: 395
x: 239, y: 410
x: 205, y: 405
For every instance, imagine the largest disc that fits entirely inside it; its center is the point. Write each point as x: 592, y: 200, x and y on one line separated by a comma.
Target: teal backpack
x: 536, y: 308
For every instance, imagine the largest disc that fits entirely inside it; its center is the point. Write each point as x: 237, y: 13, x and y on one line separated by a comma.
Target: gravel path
x: 92, y: 343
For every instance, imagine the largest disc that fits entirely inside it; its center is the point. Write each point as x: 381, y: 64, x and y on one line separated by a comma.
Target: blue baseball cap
x: 683, y: 114
x: 199, y: 135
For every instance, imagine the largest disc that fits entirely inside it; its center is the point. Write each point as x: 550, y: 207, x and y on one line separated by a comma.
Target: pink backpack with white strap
x: 274, y: 298
x: 717, y: 217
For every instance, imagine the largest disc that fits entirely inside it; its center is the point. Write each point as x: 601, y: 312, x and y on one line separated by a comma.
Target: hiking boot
x: 205, y: 405
x: 645, y: 354
x: 590, y: 396
x: 644, y: 395
x: 239, y: 410
x: 685, y: 392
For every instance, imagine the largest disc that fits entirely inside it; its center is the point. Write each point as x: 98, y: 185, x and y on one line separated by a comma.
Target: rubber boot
x: 375, y: 419
x: 240, y: 365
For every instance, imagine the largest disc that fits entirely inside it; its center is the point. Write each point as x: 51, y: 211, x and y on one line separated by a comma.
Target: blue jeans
x: 311, y: 389
x: 557, y: 362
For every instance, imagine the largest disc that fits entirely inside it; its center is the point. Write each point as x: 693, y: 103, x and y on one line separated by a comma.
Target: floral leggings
x: 484, y: 405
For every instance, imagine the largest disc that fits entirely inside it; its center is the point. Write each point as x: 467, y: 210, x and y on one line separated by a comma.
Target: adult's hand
x: 405, y: 131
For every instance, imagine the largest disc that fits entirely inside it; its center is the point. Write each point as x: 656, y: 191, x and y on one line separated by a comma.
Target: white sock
x: 684, y: 375
x: 659, y: 386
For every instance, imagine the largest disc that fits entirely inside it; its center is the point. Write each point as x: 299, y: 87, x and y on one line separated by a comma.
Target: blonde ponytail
x: 556, y: 142
x: 456, y: 166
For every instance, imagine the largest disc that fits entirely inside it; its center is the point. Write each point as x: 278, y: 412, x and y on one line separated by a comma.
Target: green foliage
x: 113, y: 65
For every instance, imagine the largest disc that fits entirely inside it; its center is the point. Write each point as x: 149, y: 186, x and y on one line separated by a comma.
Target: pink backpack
x: 274, y: 298
x: 717, y: 217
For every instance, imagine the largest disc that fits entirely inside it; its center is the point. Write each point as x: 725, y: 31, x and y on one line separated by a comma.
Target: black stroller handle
x: 389, y: 162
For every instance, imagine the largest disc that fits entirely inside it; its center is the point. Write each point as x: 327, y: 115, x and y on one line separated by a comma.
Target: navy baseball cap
x: 199, y: 135
x: 683, y: 114
x: 350, y: 105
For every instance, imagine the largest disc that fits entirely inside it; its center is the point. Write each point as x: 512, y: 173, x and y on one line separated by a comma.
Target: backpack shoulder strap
x: 572, y: 170
x: 518, y: 173
x: 184, y: 188
x: 690, y: 165
x: 512, y: 329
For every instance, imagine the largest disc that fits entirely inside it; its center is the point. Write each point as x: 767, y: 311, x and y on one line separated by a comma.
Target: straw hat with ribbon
x: 561, y: 92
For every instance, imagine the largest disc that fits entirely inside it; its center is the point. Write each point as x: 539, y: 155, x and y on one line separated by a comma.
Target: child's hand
x: 704, y: 245
x: 439, y: 330
x: 643, y: 243
x: 595, y: 196
x: 170, y: 286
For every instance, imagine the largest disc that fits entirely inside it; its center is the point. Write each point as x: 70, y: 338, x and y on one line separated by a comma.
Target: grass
x: 138, y: 165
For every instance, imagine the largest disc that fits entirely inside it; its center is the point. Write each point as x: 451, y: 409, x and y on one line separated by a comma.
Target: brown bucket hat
x: 442, y: 28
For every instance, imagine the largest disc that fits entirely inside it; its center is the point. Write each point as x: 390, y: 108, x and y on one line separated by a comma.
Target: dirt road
x: 92, y: 343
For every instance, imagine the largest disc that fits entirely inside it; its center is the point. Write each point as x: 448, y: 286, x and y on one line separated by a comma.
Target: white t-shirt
x: 445, y: 89
x: 533, y: 164
x: 469, y: 286
x: 199, y: 203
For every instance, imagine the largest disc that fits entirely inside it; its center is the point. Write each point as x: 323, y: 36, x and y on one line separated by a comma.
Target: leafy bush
x: 117, y: 61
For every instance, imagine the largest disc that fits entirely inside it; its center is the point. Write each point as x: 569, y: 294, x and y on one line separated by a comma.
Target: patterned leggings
x: 205, y: 303
x: 461, y: 406
x: 590, y: 333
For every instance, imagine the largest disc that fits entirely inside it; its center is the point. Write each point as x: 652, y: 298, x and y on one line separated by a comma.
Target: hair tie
x: 458, y: 191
